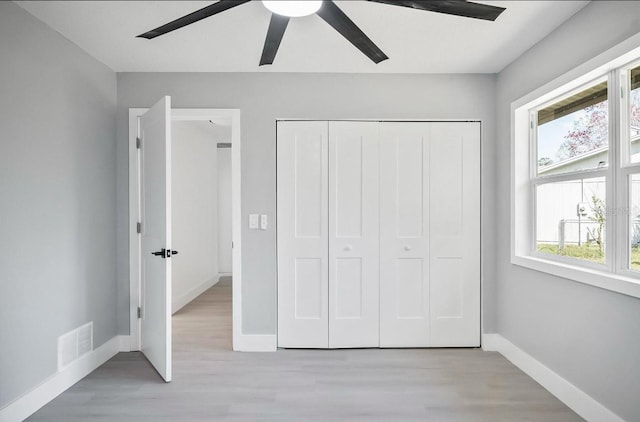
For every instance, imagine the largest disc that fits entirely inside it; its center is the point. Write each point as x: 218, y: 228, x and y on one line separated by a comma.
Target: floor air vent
x: 74, y: 344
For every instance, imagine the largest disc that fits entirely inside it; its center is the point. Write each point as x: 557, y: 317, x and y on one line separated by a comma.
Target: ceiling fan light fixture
x: 293, y: 8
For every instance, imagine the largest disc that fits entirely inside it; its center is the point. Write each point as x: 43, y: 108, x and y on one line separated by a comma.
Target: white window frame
x: 613, y: 275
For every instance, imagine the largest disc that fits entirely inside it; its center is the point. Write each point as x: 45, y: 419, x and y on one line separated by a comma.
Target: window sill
x: 614, y: 282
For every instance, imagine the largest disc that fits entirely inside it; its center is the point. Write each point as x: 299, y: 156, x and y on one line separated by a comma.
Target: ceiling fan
x: 283, y: 10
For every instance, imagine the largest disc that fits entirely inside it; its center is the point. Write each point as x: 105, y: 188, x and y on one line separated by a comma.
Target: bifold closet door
x: 455, y: 234
x: 378, y: 234
x: 353, y: 234
x: 404, y: 234
x: 430, y: 234
x: 302, y: 230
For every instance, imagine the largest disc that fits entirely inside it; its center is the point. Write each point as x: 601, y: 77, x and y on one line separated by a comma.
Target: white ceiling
x: 415, y: 41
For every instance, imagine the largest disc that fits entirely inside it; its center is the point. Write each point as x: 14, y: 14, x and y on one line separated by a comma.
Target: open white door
x: 155, y: 181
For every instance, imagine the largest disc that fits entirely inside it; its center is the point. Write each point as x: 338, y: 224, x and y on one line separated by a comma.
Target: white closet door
x: 455, y: 234
x: 302, y: 222
x: 353, y: 234
x: 404, y: 234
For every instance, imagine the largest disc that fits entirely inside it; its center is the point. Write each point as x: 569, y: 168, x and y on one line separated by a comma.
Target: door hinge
x: 139, y: 312
x: 138, y: 143
x: 139, y: 227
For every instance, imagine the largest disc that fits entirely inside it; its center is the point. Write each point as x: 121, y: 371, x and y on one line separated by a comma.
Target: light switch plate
x: 263, y: 221
x: 253, y: 221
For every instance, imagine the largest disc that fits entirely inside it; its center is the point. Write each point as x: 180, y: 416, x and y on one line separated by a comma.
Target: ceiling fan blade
x: 277, y: 26
x: 196, y: 16
x: 345, y: 26
x: 451, y: 7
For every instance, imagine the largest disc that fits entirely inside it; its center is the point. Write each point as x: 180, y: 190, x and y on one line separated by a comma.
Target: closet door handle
x: 407, y: 248
x: 348, y: 248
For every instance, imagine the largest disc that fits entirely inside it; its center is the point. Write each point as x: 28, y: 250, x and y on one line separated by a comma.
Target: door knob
x: 348, y: 248
x: 165, y: 253
x: 162, y: 252
x: 407, y: 247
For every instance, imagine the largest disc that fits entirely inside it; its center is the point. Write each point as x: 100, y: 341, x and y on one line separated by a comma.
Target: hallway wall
x: 225, y: 260
x: 194, y: 198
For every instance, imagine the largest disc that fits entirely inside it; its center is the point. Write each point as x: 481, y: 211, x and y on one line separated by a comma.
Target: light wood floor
x: 212, y: 383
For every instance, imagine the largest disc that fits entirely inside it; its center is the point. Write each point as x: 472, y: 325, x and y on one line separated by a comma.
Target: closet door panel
x: 455, y: 234
x: 404, y: 235
x: 353, y: 235
x: 302, y: 230
x: 378, y: 234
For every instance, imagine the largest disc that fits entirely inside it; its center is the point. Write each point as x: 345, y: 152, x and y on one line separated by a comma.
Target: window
x: 573, y: 133
x: 571, y: 217
x: 571, y: 138
x: 576, y: 177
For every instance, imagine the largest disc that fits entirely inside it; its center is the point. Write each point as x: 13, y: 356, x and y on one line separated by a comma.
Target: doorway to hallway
x: 184, y: 142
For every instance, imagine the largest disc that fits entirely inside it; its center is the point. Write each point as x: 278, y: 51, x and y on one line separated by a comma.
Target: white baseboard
x: 576, y: 399
x: 124, y: 343
x: 225, y: 275
x: 255, y: 343
x: 184, y: 299
x: 30, y: 402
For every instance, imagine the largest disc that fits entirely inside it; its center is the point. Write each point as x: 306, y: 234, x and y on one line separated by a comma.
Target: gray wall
x: 57, y: 198
x: 262, y: 99
x: 589, y: 336
x: 194, y: 210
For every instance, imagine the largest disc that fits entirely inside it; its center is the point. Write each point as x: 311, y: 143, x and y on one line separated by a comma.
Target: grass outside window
x: 590, y: 252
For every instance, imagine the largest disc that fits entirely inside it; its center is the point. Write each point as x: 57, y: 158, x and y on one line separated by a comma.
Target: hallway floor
x: 213, y: 383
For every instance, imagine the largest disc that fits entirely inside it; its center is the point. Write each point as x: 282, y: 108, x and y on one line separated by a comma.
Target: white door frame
x: 184, y: 114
